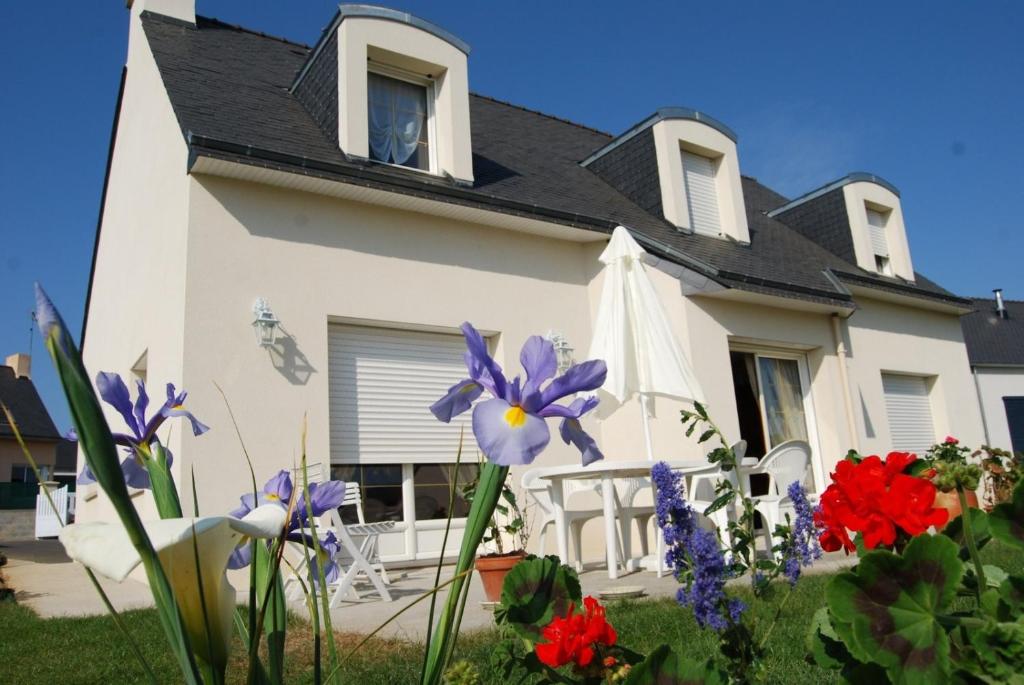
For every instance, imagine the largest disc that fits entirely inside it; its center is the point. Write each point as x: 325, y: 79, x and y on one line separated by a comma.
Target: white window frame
x: 431, y: 96
x: 716, y: 163
x: 810, y: 417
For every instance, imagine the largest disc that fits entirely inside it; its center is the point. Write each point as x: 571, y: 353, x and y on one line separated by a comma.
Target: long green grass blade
x: 165, y: 491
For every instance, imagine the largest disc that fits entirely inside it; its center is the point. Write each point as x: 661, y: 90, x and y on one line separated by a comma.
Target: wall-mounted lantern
x: 563, y: 351
x: 265, y: 322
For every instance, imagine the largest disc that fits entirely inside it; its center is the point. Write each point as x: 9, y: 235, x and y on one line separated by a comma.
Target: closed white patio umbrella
x: 633, y: 336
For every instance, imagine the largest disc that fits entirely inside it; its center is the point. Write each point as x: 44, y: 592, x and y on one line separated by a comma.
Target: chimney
x: 21, y: 363
x: 1000, y: 305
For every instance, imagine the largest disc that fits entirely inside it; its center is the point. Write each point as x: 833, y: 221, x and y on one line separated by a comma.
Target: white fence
x: 48, y: 521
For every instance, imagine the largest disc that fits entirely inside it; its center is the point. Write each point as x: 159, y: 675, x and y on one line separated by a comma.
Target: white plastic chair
x: 784, y: 464
x: 355, y: 540
x: 575, y: 518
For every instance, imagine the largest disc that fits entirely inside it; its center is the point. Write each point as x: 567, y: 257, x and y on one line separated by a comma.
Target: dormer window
x: 877, y: 221
x: 701, y: 188
x: 399, y: 116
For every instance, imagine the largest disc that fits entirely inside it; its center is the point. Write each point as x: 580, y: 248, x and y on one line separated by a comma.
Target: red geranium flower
x: 950, y: 440
x: 573, y: 638
x: 877, y: 499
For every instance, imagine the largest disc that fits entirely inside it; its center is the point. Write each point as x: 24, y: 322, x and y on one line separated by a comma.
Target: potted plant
x: 508, y: 524
x: 949, y: 460
x: 1002, y: 471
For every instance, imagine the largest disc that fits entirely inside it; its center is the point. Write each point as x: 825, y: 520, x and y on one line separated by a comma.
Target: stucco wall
x: 994, y: 384
x: 319, y: 259
x: 138, y: 289
x: 884, y: 337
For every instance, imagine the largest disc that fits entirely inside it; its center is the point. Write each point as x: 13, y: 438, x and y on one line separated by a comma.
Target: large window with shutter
x: 908, y: 406
x: 701, y: 193
x: 879, y: 241
x: 382, y: 382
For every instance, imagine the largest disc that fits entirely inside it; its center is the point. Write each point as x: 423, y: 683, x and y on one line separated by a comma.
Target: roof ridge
x: 993, y: 300
x: 261, y: 34
x: 543, y: 114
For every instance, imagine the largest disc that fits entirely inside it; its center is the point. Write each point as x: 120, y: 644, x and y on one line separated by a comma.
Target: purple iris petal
x: 86, y: 476
x: 174, y: 406
x: 572, y: 432
x: 115, y: 393
x: 540, y: 363
x: 141, y: 404
x: 241, y: 556
x: 583, y: 377
x: 482, y: 368
x: 579, y: 407
x: 278, y: 489
x: 248, y: 504
x: 326, y: 496
x: 329, y: 547
x: 459, y: 398
x: 135, y: 474
x: 507, y: 434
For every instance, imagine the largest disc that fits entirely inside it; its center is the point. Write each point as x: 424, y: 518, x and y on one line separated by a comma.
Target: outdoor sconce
x: 265, y: 322
x: 563, y: 351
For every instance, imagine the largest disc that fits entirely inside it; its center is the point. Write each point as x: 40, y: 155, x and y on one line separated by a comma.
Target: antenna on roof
x: 31, y: 330
x: 1001, y: 311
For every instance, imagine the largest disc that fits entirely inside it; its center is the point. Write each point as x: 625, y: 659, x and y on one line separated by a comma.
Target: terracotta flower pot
x: 951, y: 502
x: 493, y: 568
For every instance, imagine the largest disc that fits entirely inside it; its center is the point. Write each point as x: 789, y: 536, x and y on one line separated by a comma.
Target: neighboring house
x: 376, y: 203
x: 18, y: 394
x: 994, y: 333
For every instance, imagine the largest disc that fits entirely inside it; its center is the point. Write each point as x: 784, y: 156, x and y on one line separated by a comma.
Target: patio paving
x: 52, y: 585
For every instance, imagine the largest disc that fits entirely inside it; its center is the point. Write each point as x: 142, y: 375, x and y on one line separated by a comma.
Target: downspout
x: 844, y: 380
x: 981, y: 405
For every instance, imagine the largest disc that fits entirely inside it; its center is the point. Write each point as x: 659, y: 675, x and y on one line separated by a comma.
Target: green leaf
x: 276, y: 618
x: 701, y: 411
x: 824, y: 645
x: 998, y: 654
x: 886, y: 610
x: 1006, y: 603
x: 719, y: 502
x: 665, y: 667
x: 535, y: 591
x: 165, y: 492
x: 1007, y: 519
x: 706, y: 435
x: 692, y: 427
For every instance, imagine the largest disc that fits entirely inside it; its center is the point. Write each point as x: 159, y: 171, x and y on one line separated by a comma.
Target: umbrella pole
x: 647, y: 426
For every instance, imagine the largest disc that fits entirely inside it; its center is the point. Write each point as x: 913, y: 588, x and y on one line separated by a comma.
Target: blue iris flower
x: 511, y: 427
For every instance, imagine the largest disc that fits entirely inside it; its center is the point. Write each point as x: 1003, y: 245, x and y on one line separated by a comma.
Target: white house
x: 376, y: 203
x: 994, y: 333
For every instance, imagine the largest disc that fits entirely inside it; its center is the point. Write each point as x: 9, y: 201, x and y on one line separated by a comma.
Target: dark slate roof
x: 229, y: 88
x: 992, y: 340
x: 21, y: 398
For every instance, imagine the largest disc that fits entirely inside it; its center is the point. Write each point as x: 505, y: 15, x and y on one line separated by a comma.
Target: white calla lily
x: 106, y: 549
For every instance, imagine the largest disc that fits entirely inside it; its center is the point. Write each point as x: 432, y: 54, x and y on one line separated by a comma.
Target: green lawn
x: 91, y: 650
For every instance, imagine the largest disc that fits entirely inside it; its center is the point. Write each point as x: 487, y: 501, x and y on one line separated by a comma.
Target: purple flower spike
x: 50, y: 323
x: 803, y: 549
x: 510, y: 428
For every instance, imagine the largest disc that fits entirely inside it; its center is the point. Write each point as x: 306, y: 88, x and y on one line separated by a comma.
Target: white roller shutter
x: 382, y: 383
x: 910, y: 413
x: 701, y: 193
x: 876, y: 228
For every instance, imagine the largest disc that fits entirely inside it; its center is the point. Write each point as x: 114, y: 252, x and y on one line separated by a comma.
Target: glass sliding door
x: 782, y: 400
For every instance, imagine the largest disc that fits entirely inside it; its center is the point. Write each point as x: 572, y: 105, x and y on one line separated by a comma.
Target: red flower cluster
x: 876, y: 498
x: 573, y: 637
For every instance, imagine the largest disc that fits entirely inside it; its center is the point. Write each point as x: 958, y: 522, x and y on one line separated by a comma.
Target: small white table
x: 607, y: 471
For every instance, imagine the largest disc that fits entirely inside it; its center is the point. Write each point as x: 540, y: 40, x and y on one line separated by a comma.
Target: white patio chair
x: 627, y: 493
x: 358, y: 542
x: 702, y: 494
x: 575, y: 518
x: 784, y: 464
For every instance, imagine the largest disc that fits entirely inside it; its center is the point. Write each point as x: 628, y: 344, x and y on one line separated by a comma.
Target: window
x: 770, y: 400
x: 879, y: 242
x: 382, y: 488
x: 908, y: 406
x: 701, y: 193
x: 399, y: 120
x: 23, y: 473
x: 1015, y: 421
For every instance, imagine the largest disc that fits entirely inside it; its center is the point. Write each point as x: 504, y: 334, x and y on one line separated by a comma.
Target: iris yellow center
x: 515, y: 417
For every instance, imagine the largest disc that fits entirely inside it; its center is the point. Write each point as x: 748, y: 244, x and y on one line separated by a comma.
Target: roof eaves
x: 904, y: 288
x: 662, y: 114
x: 854, y: 177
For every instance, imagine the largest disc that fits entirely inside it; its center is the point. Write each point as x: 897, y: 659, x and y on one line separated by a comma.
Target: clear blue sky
x: 928, y: 95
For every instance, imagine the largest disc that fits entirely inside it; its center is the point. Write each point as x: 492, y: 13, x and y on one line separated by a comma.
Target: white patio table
x: 607, y: 471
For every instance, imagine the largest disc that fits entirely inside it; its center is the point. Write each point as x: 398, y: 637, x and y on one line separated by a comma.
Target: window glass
x: 783, y: 399
x: 398, y: 122
x: 23, y: 473
x: 380, y: 486
x: 432, y: 487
